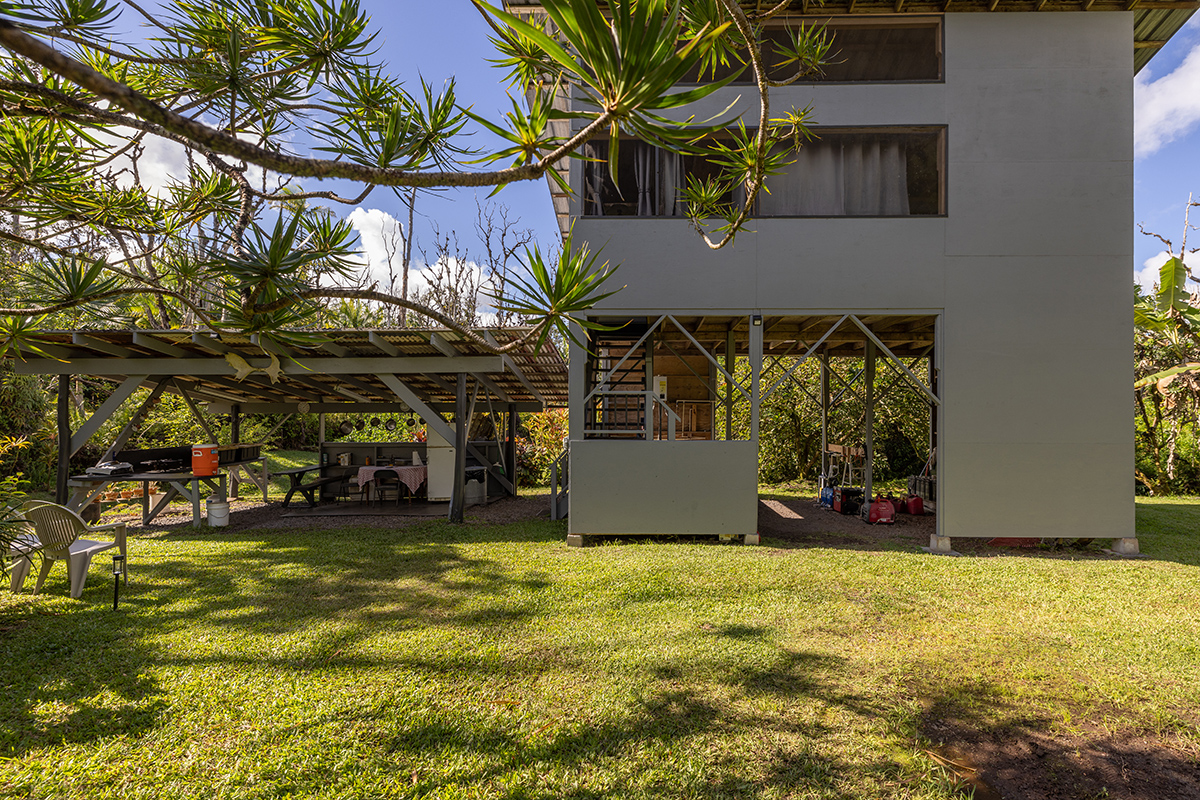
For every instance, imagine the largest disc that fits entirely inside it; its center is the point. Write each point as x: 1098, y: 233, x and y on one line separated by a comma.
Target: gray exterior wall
x: 1029, y: 270
x: 664, y: 487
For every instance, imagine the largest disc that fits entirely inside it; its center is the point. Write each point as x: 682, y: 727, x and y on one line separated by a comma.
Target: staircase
x: 618, y: 409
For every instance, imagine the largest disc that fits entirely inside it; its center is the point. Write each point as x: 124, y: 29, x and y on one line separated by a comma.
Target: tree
x: 262, y: 95
x: 1167, y: 365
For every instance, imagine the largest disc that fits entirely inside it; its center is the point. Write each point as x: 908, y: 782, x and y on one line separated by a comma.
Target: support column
x: 756, y: 349
x: 824, y: 362
x: 461, y: 423
x: 510, y: 457
x: 869, y: 434
x: 651, y: 414
x: 730, y: 363
x: 235, y: 437
x: 64, y: 439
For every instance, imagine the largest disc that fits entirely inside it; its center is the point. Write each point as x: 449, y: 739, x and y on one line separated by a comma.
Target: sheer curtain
x: 645, y: 174
x: 858, y: 175
x: 671, y: 169
x: 594, y: 173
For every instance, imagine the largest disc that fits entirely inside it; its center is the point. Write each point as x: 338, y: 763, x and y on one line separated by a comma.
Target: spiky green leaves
x: 556, y: 296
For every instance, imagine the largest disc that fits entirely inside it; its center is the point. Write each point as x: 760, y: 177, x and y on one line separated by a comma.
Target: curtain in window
x: 671, y: 167
x: 840, y: 176
x: 594, y: 173
x: 645, y: 173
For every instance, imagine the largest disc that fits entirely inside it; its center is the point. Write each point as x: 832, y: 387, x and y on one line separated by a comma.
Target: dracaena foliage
x: 261, y: 97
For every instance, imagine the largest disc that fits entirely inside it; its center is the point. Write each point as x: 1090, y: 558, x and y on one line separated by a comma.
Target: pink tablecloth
x: 412, y: 477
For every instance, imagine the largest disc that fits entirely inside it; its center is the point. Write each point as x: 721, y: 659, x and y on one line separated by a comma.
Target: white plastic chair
x: 58, y: 528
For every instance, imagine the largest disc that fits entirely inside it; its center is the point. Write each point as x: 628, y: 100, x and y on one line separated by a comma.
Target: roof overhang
x: 348, y: 371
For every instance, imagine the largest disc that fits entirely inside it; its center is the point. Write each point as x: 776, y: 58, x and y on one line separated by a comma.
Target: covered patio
x: 442, y: 376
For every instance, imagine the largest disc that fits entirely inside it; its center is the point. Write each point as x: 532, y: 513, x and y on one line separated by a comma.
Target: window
x: 865, y: 172
x: 880, y: 172
x: 900, y: 50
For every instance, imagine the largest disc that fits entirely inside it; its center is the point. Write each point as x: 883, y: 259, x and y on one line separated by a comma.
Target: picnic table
x: 310, y: 489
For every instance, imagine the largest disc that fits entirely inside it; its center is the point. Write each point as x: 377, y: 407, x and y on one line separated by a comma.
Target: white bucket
x: 218, y: 513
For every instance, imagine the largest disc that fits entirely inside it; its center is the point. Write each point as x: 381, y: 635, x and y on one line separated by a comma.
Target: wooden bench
x: 310, y: 489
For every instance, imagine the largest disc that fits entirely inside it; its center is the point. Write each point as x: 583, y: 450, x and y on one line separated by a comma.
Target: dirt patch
x: 802, y: 522
x: 248, y: 514
x: 1027, y: 761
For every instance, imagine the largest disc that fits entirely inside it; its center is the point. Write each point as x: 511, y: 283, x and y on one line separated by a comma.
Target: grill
x: 179, y: 459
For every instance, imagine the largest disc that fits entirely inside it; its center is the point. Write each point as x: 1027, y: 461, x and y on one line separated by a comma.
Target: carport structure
x: 431, y: 372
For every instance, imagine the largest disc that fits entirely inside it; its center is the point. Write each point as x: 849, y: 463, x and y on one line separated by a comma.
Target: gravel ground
x: 247, y: 514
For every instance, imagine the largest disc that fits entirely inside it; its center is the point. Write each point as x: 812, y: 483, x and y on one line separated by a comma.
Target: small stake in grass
x: 118, y: 571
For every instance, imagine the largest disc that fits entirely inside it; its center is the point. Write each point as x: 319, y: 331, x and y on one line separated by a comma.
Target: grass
x: 444, y: 662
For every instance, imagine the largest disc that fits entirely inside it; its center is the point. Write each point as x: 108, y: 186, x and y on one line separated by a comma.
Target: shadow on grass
x: 74, y: 673
x: 674, y: 718
x: 78, y: 672
x: 1025, y: 754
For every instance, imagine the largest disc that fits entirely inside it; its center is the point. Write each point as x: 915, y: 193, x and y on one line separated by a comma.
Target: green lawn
x: 473, y: 662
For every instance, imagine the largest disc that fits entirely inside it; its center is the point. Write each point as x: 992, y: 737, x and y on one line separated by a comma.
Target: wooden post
x: 457, y: 490
x: 756, y: 350
x: 235, y: 437
x: 511, y: 456
x: 869, y: 435
x: 933, y: 408
x: 824, y: 360
x: 730, y: 363
x: 64, y: 439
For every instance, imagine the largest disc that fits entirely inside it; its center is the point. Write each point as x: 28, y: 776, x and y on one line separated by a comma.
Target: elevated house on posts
x: 963, y: 225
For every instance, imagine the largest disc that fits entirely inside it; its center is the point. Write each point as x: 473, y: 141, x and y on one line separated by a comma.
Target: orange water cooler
x: 204, y: 459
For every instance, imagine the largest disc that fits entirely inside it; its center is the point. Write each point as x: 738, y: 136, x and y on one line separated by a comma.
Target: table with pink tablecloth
x: 412, y: 477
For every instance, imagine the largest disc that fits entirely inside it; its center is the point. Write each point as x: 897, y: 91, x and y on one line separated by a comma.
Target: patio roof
x: 351, y: 370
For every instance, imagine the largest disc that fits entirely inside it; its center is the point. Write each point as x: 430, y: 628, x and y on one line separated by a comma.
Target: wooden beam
x: 200, y: 366
x: 442, y: 346
x: 106, y: 410
x: 1148, y: 43
x: 432, y: 418
x: 511, y: 366
x: 340, y: 407
x: 92, y: 343
x: 439, y: 343
x: 130, y: 427
x: 335, y: 349
x: 158, y: 345
x: 196, y: 415
x: 211, y: 343
x: 383, y: 344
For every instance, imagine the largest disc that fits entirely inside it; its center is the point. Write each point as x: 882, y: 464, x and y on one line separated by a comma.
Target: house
x: 965, y: 221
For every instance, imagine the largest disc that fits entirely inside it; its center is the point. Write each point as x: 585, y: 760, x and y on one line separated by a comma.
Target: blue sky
x: 1167, y: 142
x: 449, y: 38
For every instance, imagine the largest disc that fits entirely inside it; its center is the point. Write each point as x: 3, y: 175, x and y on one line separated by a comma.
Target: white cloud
x: 1147, y: 275
x: 1168, y: 108
x: 374, y: 228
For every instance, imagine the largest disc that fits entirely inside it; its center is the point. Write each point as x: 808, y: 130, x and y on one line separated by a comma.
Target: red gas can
x: 204, y: 459
x: 916, y: 505
x: 881, y: 511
